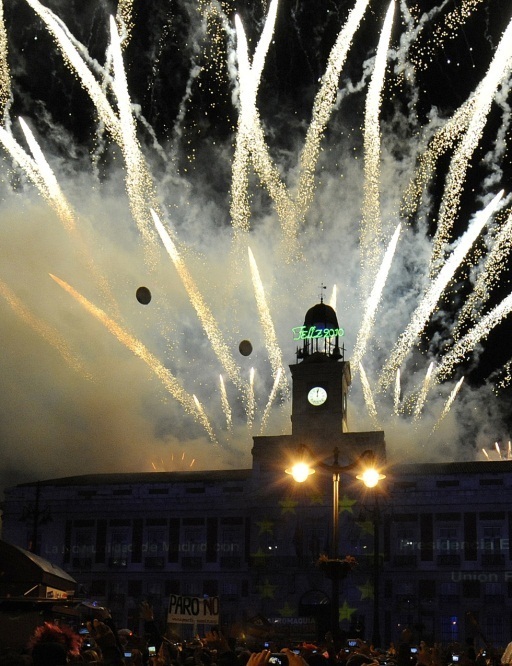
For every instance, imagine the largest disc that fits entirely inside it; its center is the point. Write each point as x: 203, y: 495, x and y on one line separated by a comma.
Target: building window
x: 119, y: 546
x: 135, y: 588
x: 83, y: 548
x: 491, y: 538
x: 448, y: 541
x: 194, y: 542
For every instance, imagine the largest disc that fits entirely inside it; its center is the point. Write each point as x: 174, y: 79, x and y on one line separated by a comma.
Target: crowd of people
x: 99, y: 643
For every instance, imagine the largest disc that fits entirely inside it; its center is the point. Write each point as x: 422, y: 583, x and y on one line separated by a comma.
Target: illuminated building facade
x: 254, y: 538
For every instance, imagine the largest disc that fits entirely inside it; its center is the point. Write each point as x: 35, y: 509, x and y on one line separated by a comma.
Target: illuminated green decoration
x: 346, y: 612
x: 366, y: 526
x: 288, y: 505
x: 314, y: 333
x: 346, y: 504
x: 259, y: 556
x: 287, y: 611
x: 267, y: 590
x: 366, y: 590
x: 266, y: 526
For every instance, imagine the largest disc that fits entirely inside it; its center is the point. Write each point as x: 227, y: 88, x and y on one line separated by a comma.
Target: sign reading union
x: 188, y: 610
x: 312, y: 333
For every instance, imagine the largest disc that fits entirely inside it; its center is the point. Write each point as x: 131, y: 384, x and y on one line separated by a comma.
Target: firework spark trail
x: 225, y: 405
x: 466, y: 344
x: 76, y: 62
x: 54, y: 192
x: 271, y: 343
x: 373, y: 300
x: 427, y: 304
x: 204, y: 420
x: 422, y: 396
x: 5, y: 76
x: 334, y: 297
x: 139, y: 184
x: 48, y: 333
x: 449, y: 24
x: 124, y: 19
x: 251, y: 401
x: 371, y: 225
x: 489, y: 274
x: 249, y: 80
x: 498, y: 450
x: 323, y: 105
x: 290, y: 212
x: 169, y: 381
x: 397, y: 393
x: 204, y: 314
x: 485, y: 454
x: 270, y: 402
x: 25, y: 161
x: 450, y: 203
x: 250, y: 142
x: 448, y: 405
x: 368, y: 398
x: 43, y: 177
x: 444, y: 139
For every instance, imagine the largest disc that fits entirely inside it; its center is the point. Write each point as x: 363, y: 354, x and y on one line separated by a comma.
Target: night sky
x: 74, y: 395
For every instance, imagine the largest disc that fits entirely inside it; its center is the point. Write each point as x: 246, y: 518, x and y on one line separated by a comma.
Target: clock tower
x: 321, y: 377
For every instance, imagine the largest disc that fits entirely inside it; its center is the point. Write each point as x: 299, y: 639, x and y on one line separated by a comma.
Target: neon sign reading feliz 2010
x: 312, y: 333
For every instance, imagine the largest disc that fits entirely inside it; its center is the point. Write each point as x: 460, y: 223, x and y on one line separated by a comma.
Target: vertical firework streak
x: 455, y: 180
x: 251, y: 401
x: 204, y: 420
x: 397, y: 393
x: 273, y: 350
x: 366, y: 328
x: 249, y: 80
x: 124, y: 19
x: 271, y: 399
x: 139, y: 183
x: 422, y: 396
x: 5, y: 77
x: 368, y: 398
x: 170, y: 382
x: 371, y: 226
x: 225, y: 405
x: 448, y: 405
x: 427, y: 304
x: 323, y: 106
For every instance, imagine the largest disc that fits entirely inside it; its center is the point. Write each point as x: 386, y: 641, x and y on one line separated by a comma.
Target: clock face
x: 317, y: 396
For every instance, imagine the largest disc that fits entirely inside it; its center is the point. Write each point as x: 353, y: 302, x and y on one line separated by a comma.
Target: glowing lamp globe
x: 370, y: 477
x: 300, y: 471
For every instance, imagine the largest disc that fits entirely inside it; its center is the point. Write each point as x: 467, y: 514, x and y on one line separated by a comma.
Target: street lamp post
x: 376, y: 573
x: 369, y: 475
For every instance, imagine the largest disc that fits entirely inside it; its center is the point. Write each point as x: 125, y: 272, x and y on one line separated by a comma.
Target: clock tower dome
x: 321, y: 377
